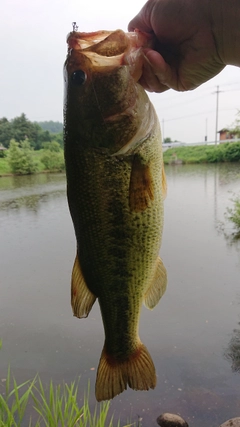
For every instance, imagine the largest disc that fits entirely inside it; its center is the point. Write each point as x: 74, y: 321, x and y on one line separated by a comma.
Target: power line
x: 188, y: 101
x: 200, y: 88
x: 197, y: 114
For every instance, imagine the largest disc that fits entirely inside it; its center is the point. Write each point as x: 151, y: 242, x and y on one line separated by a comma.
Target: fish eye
x: 78, y: 77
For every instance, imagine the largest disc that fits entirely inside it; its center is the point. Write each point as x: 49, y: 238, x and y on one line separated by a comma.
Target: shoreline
x: 5, y: 175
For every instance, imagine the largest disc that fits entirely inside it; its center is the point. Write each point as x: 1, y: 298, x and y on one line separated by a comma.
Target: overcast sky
x: 33, y: 49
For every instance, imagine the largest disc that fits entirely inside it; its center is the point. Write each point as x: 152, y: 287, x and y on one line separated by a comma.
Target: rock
x: 233, y: 422
x: 172, y: 420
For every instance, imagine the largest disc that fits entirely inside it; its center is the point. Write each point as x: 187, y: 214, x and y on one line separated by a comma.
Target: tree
x: 21, y: 159
x: 20, y: 128
x: 53, y: 146
x: 59, y: 138
x: 52, y: 127
x: 166, y: 140
x: 24, y: 129
x: 6, y: 133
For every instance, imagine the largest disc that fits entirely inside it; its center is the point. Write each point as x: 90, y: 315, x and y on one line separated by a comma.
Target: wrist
x: 226, y: 29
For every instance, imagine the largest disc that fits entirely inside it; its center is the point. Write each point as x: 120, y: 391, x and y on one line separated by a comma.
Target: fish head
x: 104, y: 105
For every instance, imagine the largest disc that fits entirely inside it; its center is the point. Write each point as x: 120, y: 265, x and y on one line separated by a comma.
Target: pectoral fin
x: 158, y: 286
x: 82, y: 299
x: 141, y: 191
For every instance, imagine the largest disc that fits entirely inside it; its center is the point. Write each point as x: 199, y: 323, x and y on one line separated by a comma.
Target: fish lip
x: 130, y: 53
x: 80, y: 41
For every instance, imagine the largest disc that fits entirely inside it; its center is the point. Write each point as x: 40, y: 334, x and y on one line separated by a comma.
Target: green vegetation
x: 53, y: 158
x: 2, y: 153
x: 233, y: 215
x: 229, y: 152
x: 20, y: 128
x: 52, y: 127
x: 32, y: 147
x: 57, y: 406
x: 4, y: 167
x: 20, y: 158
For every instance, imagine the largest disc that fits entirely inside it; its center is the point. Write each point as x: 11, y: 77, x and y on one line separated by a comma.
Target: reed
x: 54, y: 406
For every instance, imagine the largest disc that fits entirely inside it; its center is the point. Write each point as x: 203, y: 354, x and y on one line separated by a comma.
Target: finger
x: 152, y: 87
x: 158, y: 73
x: 150, y: 81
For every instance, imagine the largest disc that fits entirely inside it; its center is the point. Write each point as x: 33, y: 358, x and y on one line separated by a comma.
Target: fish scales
x: 115, y: 198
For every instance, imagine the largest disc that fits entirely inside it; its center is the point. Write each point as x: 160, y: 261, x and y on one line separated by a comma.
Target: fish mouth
x: 112, y: 48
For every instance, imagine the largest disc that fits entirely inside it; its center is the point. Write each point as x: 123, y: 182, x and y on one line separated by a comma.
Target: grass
x: 185, y: 154
x: 56, y: 406
x: 228, y: 152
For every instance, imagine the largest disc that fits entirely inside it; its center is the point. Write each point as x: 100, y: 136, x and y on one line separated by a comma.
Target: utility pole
x: 216, y: 131
x: 163, y: 131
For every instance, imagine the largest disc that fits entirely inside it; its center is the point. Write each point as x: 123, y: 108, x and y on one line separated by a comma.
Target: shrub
x: 232, y: 152
x: 215, y: 155
x: 53, y: 160
x: 20, y: 158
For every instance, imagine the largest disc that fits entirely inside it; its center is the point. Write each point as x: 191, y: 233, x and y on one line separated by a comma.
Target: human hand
x: 185, y: 51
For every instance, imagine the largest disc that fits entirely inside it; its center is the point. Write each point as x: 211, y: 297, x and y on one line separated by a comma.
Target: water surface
x: 193, y: 334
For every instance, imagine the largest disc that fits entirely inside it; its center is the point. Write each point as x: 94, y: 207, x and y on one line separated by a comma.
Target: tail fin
x: 113, y: 376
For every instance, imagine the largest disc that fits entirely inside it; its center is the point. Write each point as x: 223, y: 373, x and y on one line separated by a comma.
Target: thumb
x: 140, y: 24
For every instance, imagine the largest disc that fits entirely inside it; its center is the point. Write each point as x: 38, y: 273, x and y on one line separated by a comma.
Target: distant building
x: 225, y: 135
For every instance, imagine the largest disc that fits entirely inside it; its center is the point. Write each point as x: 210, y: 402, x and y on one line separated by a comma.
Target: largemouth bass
x: 115, y: 188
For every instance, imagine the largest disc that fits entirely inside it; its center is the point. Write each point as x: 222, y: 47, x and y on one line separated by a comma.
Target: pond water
x: 193, y: 334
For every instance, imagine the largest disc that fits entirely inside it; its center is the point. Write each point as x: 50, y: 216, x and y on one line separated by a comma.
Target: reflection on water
x: 32, y: 202
x: 233, y: 351
x: 29, y: 191
x: 193, y: 334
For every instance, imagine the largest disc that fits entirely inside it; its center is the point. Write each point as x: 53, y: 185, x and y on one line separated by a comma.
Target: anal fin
x: 157, y: 287
x: 82, y: 299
